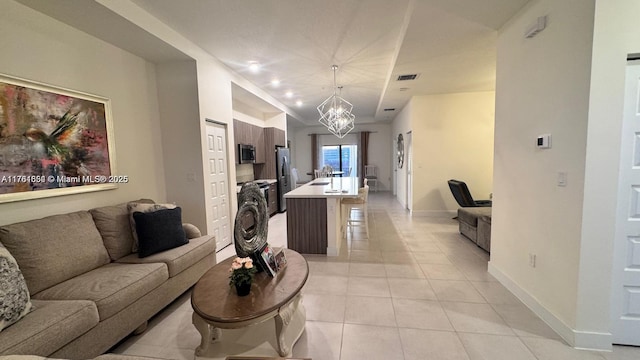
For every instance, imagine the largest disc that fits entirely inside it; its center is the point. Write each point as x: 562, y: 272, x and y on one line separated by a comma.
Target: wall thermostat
x: 544, y: 141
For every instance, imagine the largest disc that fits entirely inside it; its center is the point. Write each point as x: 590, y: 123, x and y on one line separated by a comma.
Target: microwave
x: 247, y: 154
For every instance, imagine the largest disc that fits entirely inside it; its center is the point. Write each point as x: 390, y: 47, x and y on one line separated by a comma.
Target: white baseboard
x: 434, y: 213
x: 333, y: 251
x: 593, y: 340
x: 578, y: 339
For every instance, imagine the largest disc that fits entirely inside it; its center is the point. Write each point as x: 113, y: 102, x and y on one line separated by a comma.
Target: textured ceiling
x: 449, y: 52
x: 297, y: 42
x: 450, y: 43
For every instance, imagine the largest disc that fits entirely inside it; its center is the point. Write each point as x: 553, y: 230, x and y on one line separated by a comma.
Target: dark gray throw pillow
x: 159, y: 230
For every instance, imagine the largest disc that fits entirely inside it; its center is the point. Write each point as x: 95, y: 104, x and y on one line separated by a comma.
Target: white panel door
x: 625, y: 298
x: 218, y: 182
x: 409, y: 165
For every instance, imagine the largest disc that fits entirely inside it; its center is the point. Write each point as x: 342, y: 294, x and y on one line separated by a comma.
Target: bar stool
x: 327, y: 171
x: 295, y: 179
x: 371, y: 173
x: 359, y: 203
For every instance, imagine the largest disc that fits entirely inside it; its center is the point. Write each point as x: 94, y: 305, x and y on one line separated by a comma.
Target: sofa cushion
x: 115, y: 227
x: 191, y: 231
x: 51, y: 325
x: 112, y: 287
x: 113, y: 224
x: 14, y: 294
x: 486, y: 219
x: 470, y: 215
x: 54, y: 249
x: 159, y: 230
x: 180, y: 258
x: 123, y: 357
x: 144, y: 207
x: 484, y: 233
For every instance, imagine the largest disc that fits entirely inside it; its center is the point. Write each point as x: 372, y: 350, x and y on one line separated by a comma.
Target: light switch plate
x: 562, y: 178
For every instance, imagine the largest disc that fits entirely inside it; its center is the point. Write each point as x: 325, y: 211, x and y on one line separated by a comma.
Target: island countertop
x: 333, y: 187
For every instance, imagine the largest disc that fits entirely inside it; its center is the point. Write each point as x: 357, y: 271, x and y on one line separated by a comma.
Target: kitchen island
x: 313, y: 215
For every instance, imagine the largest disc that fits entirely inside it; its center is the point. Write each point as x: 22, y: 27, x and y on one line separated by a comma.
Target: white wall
x: 215, y: 100
x: 380, y: 151
x: 452, y: 139
x: 278, y: 120
x: 616, y: 34
x: 214, y: 82
x: 248, y: 114
x: 300, y: 150
x: 39, y: 48
x: 540, y: 89
x: 182, y: 153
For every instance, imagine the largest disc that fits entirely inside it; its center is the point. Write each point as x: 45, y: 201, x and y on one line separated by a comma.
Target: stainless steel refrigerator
x: 283, y: 171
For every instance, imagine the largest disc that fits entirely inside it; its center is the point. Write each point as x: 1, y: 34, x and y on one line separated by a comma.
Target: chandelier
x: 335, y: 112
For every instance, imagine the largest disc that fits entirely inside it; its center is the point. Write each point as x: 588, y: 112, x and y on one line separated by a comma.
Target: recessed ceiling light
x: 275, y: 82
x: 289, y: 94
x: 254, y: 66
x: 299, y: 103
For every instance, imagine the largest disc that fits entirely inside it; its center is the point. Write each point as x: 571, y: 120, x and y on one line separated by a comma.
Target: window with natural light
x: 341, y: 157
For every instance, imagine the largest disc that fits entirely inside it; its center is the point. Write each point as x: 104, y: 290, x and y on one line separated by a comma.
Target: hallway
x: 416, y: 289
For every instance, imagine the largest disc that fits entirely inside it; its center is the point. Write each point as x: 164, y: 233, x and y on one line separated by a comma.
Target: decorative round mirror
x: 250, y: 229
x: 400, y: 145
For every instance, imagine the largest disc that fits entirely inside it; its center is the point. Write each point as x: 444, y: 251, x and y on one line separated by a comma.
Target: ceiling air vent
x: 407, y: 77
x: 390, y: 109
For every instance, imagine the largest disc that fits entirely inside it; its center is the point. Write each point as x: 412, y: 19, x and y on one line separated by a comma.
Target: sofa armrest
x: 191, y: 230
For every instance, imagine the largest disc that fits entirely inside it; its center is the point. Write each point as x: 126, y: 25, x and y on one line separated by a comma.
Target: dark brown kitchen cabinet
x: 272, y: 137
x: 249, y: 134
x: 257, y: 140
x: 241, y: 135
x: 280, y: 138
x: 272, y: 206
x: 265, y: 141
x: 242, y: 132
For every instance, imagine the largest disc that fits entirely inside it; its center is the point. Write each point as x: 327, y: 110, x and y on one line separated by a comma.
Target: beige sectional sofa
x: 101, y: 357
x: 88, y: 289
x: 475, y: 224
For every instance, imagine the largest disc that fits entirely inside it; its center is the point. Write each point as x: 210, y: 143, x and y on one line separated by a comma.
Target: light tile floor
x: 416, y: 289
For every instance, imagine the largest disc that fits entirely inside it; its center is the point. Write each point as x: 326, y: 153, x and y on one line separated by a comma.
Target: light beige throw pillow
x: 15, y: 302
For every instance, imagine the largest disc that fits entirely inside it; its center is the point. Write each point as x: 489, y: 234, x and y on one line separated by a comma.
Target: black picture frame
x: 266, y: 259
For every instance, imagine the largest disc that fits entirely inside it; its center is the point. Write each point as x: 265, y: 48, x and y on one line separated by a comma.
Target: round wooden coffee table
x: 217, y: 306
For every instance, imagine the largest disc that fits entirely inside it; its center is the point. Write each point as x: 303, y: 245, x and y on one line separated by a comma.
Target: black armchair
x: 462, y: 195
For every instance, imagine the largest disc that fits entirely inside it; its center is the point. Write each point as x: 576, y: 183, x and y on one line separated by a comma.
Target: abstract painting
x: 53, y: 141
